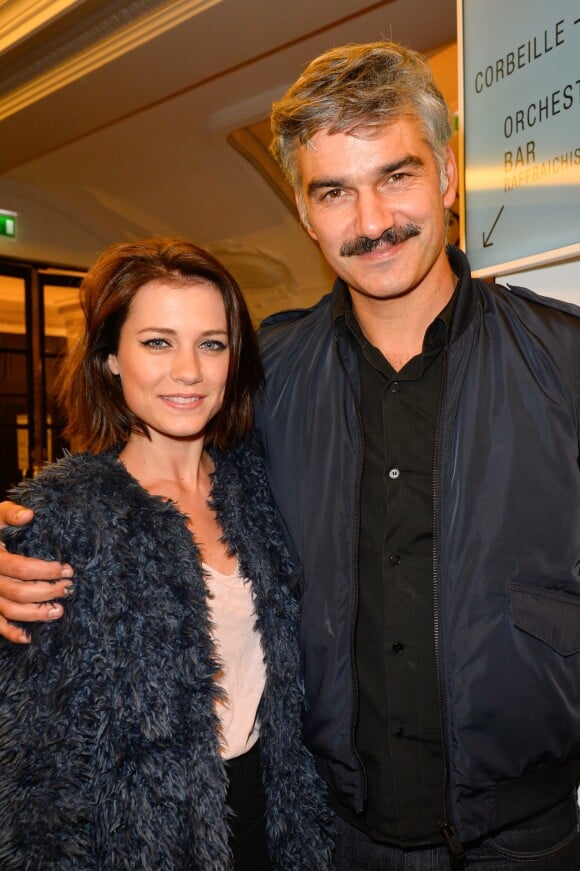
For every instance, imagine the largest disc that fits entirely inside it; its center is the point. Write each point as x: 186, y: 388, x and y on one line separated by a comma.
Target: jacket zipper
x: 356, y: 537
x: 446, y: 828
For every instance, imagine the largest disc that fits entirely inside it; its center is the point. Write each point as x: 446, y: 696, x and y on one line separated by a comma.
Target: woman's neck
x: 181, y: 472
x: 158, y: 462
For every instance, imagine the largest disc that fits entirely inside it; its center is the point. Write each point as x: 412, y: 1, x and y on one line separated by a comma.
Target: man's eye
x: 397, y: 178
x: 334, y: 194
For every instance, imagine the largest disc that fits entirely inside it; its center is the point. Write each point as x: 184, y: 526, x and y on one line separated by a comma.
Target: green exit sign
x: 7, y: 224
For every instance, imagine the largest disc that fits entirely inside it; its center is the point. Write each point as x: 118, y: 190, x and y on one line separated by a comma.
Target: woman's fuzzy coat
x: 108, y: 733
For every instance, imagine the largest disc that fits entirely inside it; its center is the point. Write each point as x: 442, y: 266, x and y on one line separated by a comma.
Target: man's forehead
x: 402, y: 125
x: 389, y: 143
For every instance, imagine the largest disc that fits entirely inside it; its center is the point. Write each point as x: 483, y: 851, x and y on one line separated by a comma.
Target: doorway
x: 39, y: 316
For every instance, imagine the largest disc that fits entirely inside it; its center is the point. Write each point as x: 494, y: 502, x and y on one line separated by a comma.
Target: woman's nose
x: 186, y: 367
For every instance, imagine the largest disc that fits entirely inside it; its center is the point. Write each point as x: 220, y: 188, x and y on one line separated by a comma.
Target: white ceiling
x: 114, y: 119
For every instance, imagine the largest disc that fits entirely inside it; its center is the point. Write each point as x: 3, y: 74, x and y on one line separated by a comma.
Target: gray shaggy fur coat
x: 108, y: 735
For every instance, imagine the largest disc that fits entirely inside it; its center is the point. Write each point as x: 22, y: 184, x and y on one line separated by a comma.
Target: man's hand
x: 25, y: 591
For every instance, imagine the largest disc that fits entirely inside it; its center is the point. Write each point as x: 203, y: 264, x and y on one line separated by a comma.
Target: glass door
x: 39, y: 317
x: 14, y: 383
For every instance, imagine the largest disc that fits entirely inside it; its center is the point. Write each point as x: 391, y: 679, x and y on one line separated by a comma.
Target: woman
x: 129, y: 729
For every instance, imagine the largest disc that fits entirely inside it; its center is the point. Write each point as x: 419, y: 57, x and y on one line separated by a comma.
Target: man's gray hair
x: 357, y: 88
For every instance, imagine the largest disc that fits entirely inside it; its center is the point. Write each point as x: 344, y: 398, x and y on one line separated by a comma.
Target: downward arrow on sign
x: 486, y: 242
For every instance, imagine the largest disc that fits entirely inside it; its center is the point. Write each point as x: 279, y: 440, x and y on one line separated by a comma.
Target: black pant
x: 549, y: 841
x: 247, y: 801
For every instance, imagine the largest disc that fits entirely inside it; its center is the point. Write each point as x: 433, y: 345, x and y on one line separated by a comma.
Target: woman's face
x: 173, y: 357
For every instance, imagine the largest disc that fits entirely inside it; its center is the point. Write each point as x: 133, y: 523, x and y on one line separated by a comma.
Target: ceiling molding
x: 21, y: 18
x: 77, y: 54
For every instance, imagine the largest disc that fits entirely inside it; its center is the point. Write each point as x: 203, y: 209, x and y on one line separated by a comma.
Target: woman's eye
x: 213, y: 345
x: 155, y: 343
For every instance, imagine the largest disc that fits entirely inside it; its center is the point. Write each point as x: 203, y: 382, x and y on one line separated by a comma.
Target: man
x: 422, y: 437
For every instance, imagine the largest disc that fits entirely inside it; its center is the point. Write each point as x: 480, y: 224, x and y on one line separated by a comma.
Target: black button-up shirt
x: 398, y: 731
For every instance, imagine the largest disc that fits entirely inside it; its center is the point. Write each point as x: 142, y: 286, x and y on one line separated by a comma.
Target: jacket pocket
x: 549, y: 615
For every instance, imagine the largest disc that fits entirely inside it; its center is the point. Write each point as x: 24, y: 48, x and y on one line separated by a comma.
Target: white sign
x: 520, y: 125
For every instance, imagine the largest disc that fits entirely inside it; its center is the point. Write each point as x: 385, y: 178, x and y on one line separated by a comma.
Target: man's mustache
x: 392, y: 236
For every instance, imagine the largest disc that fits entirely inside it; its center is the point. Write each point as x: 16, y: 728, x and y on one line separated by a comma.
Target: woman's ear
x: 113, y: 364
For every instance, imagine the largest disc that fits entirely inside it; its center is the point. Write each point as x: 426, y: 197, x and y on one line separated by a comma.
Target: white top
x: 237, y: 645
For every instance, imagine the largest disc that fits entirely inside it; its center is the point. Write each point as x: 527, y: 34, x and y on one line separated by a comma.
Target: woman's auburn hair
x: 91, y: 396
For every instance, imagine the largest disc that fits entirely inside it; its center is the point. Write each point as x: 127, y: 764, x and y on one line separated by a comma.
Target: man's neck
x: 397, y: 326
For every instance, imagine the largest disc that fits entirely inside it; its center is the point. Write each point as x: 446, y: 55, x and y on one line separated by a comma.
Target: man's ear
x: 452, y: 174
x: 301, y: 206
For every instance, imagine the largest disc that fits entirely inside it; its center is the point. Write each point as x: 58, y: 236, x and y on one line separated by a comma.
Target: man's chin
x: 377, y: 291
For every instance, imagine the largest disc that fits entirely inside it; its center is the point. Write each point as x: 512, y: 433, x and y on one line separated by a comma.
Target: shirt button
x: 398, y: 647
x: 395, y: 559
x: 394, y: 473
x: 394, y: 387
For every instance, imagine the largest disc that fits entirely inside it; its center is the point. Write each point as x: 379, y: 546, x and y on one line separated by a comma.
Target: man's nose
x: 374, y: 215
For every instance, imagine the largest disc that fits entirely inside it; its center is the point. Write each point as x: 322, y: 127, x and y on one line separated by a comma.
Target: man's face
x: 373, y: 202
